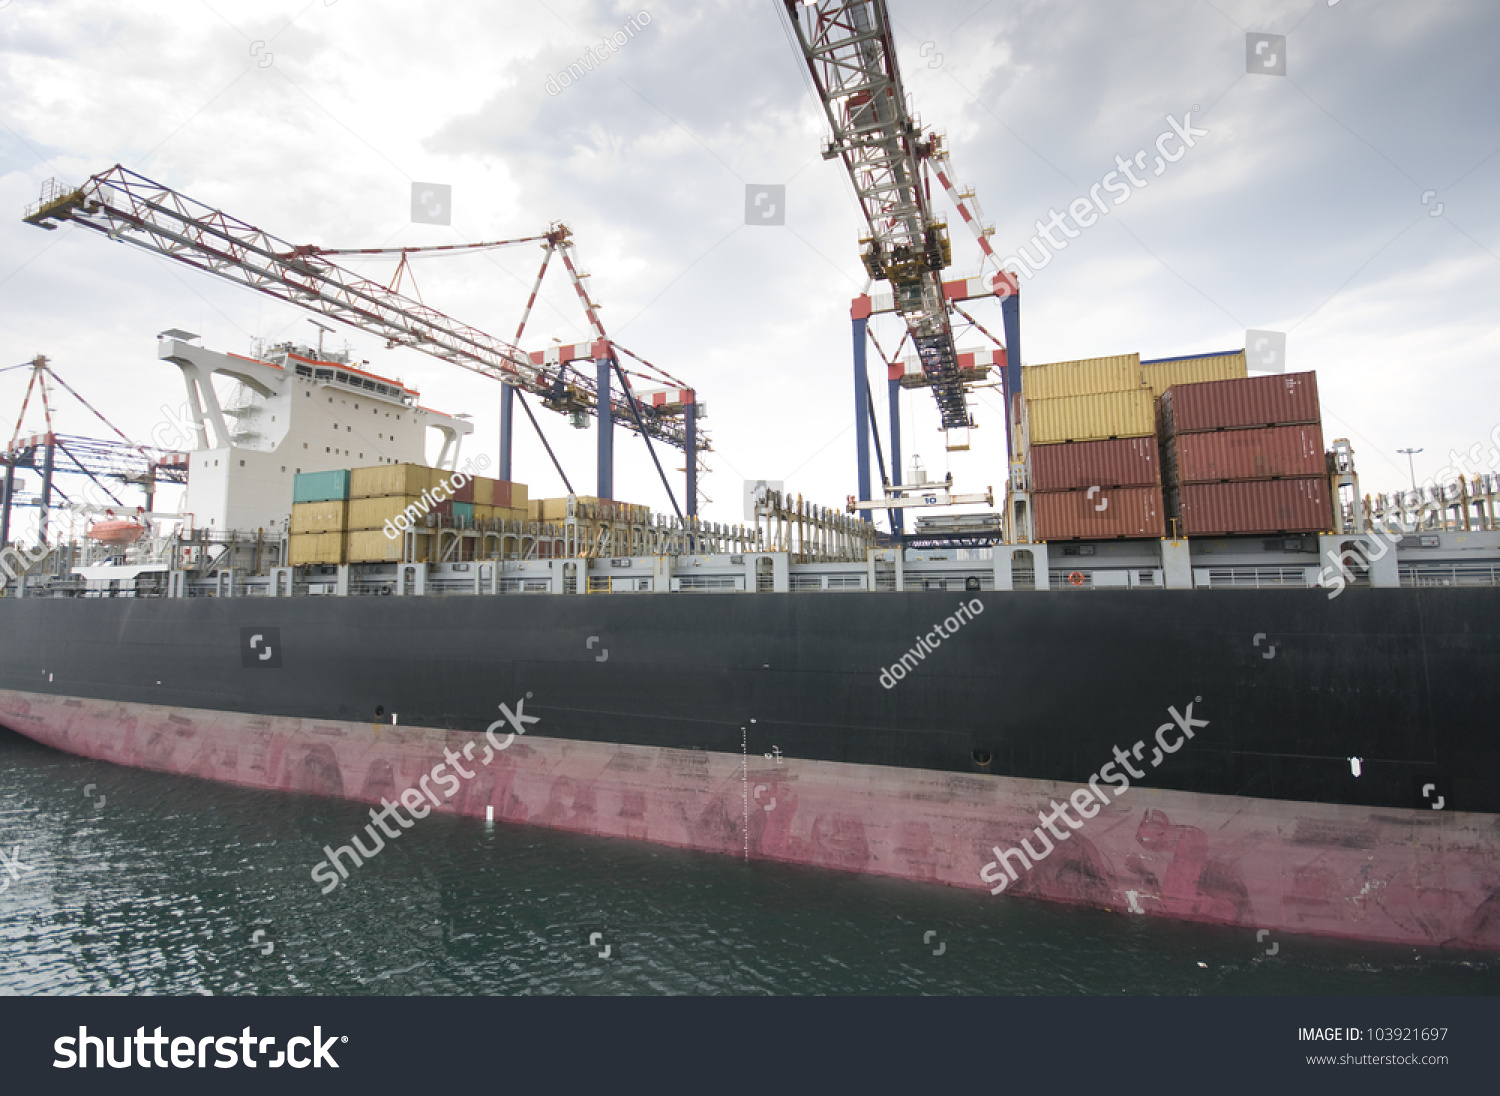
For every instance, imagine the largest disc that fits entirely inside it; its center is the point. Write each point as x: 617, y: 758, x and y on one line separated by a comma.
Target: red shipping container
x: 464, y: 493
x: 502, y: 493
x: 1118, y: 462
x: 1103, y: 514
x: 1272, y: 400
x: 1256, y: 506
x: 1267, y: 453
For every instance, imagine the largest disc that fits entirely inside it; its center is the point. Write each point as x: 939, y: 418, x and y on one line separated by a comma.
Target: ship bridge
x: 293, y: 409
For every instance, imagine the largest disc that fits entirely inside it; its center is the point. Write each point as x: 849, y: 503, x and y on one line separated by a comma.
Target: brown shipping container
x: 1256, y: 506
x: 1120, y: 462
x: 1273, y: 400
x: 1267, y: 453
x: 1105, y: 514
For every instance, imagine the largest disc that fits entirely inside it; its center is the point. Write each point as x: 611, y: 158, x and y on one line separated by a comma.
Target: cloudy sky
x: 1342, y: 203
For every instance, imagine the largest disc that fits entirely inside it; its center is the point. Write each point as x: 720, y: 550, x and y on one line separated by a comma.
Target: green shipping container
x: 321, y: 486
x: 463, y: 514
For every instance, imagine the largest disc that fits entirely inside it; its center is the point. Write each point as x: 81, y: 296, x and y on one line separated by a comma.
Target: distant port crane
x: 124, y: 205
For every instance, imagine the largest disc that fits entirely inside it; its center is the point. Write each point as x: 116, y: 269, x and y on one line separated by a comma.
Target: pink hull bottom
x: 1400, y: 876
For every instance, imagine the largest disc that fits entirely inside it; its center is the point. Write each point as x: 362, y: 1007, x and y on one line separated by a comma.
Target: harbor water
x: 123, y: 881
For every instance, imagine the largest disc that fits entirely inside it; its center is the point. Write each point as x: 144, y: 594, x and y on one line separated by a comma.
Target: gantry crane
x: 51, y: 455
x: 848, y: 48
x: 124, y: 205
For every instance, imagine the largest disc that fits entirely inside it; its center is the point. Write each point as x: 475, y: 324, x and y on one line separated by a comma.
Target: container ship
x: 1297, y: 754
x: 1187, y: 670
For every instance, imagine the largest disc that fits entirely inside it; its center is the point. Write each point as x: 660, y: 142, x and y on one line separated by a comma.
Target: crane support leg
x: 1010, y: 314
x: 507, y: 428
x: 10, y: 487
x: 606, y: 485
x: 690, y: 427
x: 895, y: 399
x: 861, y: 416
x: 41, y: 527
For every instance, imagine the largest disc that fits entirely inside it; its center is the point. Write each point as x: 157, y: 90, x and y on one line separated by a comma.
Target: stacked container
x: 320, y: 506
x: 1245, y: 456
x: 381, y: 493
x: 1089, y: 428
x: 1162, y: 373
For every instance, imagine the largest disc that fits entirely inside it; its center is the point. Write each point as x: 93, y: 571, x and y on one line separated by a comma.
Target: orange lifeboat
x: 117, y: 531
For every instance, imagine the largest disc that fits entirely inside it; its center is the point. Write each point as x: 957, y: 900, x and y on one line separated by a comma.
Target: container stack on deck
x: 341, y: 516
x: 320, y: 515
x: 1245, y: 456
x: 1089, y: 428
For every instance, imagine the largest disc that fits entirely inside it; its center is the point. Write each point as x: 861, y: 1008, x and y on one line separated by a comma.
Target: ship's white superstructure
x: 295, y: 409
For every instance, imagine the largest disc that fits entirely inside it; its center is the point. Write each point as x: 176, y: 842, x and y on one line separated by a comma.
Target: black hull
x: 1043, y: 685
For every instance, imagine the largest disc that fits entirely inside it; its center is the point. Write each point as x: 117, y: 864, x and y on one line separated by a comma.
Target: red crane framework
x: 52, y: 454
x: 849, y: 51
x: 124, y: 205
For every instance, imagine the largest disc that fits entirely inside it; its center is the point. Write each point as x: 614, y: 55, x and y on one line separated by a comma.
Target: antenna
x: 323, y: 329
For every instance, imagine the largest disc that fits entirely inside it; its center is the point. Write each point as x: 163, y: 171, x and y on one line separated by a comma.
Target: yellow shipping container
x: 485, y: 512
x: 373, y: 546
x: 484, y: 491
x: 1081, y: 378
x: 374, y: 513
x: 1095, y: 417
x: 534, y: 510
x: 518, y: 495
x: 392, y: 479
x: 1159, y: 376
x: 319, y: 517
x: 306, y: 548
x: 552, y: 509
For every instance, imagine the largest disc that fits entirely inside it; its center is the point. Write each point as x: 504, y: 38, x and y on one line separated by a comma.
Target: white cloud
x: 1306, y: 183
